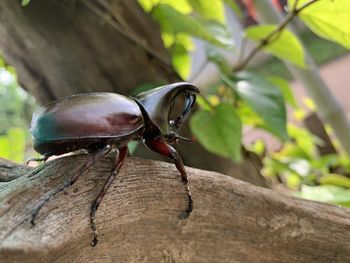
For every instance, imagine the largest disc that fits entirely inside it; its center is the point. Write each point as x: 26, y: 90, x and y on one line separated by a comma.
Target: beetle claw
x: 32, y: 221
x: 94, y: 241
x: 184, y: 215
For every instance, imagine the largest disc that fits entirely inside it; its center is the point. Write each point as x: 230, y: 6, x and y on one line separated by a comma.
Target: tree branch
x: 232, y: 221
x: 273, y: 36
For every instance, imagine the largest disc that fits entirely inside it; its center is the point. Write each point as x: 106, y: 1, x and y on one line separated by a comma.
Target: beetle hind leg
x: 121, y: 155
x: 161, y: 147
x: 71, y: 181
x: 40, y: 159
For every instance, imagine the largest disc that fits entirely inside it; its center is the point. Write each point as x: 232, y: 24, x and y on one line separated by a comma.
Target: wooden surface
x: 138, y: 221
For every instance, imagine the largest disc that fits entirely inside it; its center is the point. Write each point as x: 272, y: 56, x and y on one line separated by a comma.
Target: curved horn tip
x: 184, y: 83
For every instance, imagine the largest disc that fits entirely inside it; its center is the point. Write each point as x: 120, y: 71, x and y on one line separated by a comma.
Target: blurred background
x: 273, y: 76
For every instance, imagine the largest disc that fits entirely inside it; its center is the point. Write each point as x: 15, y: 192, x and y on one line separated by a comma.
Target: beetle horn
x: 157, y: 104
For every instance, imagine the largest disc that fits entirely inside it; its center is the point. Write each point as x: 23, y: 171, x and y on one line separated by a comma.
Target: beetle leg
x: 40, y: 159
x: 121, y: 155
x: 72, y: 180
x: 161, y: 147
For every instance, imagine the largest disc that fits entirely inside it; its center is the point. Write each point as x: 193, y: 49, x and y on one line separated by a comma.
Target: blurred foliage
x: 327, y: 19
x: 182, y: 20
x: 299, y: 167
x: 25, y: 2
x: 211, y: 134
x: 321, y: 50
x: 287, y: 47
x: 263, y: 97
x: 12, y: 144
x: 15, y: 113
x: 259, y: 99
x: 326, y: 193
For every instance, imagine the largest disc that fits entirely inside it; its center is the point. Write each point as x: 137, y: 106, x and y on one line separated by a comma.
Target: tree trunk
x: 64, y: 47
x: 232, y: 221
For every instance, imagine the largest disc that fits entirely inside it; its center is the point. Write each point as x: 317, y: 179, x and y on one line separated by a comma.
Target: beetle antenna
x: 173, y: 137
x: 190, y: 140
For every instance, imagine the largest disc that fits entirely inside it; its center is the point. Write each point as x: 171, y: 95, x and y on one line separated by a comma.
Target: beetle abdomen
x: 86, y: 116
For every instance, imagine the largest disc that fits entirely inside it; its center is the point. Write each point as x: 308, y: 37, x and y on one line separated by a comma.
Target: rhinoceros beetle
x: 99, y: 122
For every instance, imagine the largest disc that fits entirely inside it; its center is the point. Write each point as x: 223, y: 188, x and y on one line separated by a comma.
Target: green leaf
x: 25, y: 2
x: 336, y: 179
x: 213, y: 10
x: 286, y: 90
x: 219, y: 130
x: 218, y: 31
x: 170, y: 39
x: 328, y: 19
x: 181, y: 60
x: 12, y: 144
x: 203, y: 103
x: 180, y: 5
x: 304, y: 139
x: 132, y: 146
x: 293, y: 181
x: 2, y: 62
x: 291, y: 150
x: 173, y: 21
x: 327, y: 161
x: 257, y: 147
x: 285, y: 44
x: 325, y: 193
x: 264, y: 98
x: 247, y: 115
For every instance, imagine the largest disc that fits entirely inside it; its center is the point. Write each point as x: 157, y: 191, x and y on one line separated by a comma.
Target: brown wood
x: 232, y: 221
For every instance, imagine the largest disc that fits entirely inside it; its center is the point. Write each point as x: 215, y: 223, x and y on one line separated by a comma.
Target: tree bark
x: 232, y: 221
x: 64, y: 47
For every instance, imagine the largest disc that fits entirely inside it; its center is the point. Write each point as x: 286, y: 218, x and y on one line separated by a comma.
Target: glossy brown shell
x: 84, y: 121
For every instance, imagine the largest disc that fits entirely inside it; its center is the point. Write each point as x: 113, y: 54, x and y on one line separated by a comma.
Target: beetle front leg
x: 121, y: 155
x: 161, y: 147
x: 72, y: 180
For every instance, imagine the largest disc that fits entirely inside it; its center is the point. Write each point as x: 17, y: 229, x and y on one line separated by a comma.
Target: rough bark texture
x: 138, y: 221
x: 62, y: 47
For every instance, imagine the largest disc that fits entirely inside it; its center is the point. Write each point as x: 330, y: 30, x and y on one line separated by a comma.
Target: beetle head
x: 157, y: 104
